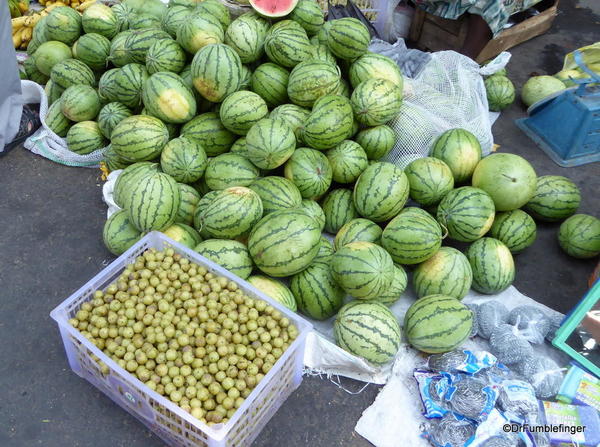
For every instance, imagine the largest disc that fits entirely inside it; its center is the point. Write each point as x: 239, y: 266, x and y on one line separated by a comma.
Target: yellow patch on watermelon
x: 173, y: 104
x: 202, y: 39
x: 99, y: 11
x: 272, y: 288
x: 505, y: 258
x: 208, y: 89
x: 488, y: 224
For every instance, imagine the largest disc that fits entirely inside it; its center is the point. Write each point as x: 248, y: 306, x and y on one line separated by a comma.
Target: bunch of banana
x: 80, y: 5
x: 22, y: 27
x: 18, y: 7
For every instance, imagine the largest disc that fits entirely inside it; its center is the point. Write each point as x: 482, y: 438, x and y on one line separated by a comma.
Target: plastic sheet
x: 533, y: 323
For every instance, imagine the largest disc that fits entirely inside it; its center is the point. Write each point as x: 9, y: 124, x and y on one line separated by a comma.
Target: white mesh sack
x: 447, y: 93
x: 45, y: 142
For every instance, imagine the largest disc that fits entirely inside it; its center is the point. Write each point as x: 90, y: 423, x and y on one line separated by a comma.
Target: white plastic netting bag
x: 45, y: 142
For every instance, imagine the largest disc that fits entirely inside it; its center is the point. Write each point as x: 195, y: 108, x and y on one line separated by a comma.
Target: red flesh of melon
x: 273, y: 8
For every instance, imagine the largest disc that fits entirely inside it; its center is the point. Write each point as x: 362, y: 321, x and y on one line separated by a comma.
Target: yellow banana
x: 26, y: 35
x: 86, y: 4
x: 36, y: 19
x: 18, y: 22
x: 74, y: 5
x: 17, y: 39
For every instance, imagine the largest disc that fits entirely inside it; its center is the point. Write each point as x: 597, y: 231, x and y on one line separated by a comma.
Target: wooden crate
x: 434, y: 33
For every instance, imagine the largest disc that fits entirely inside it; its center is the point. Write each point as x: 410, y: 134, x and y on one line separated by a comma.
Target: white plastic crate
x: 171, y: 423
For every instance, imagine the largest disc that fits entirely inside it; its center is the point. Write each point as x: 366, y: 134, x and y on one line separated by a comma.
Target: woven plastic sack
x: 45, y: 142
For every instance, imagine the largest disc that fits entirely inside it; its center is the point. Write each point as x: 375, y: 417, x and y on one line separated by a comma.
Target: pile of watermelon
x: 246, y: 139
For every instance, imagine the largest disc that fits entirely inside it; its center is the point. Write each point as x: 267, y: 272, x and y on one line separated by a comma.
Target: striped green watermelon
x: 363, y: 269
x: 123, y: 12
x: 284, y: 243
x: 99, y: 18
x: 344, y: 90
x: 326, y: 251
x: 141, y: 21
x: 64, y: 25
x: 214, y: 9
x: 312, y: 79
x: 579, y: 236
x: 154, y: 202
x: 239, y: 147
x: 396, y: 289
x: 467, y: 213
x: 555, y: 199
x: 119, y: 234
x: 447, y: 272
x: 246, y: 35
x: 314, y: 210
x: 276, y: 193
x: 321, y: 53
x: 231, y: 255
x: 38, y: 36
x: 373, y: 65
x: 183, y: 159
x: 183, y: 234
x: 339, y: 209
x: 139, y: 138
x: 227, y: 170
x: 198, y: 32
x: 288, y: 45
x: 275, y: 290
x: 245, y: 78
x: 310, y: 171
x: 231, y: 214
x: 318, y: 296
x: 381, y: 191
x: 270, y: 81
x: 139, y: 41
x: 376, y: 101
x: 56, y: 121
x: 112, y: 161
x: 376, y: 141
x: 85, y: 137
x: 430, y: 180
x: 460, y: 150
x: 107, y: 86
x: 33, y: 73
x: 269, y: 143
x: 358, y: 230
x: 72, y: 72
x: 93, y: 50
x: 329, y: 123
x: 173, y: 19
x: 128, y: 84
x: 110, y: 115
x: 241, y: 110
x: 293, y: 115
x: 516, y: 229
x: 187, y: 205
x: 437, y: 324
x: 207, y: 130
x: 309, y: 14
x: 500, y: 92
x: 492, y: 264
x: 166, y: 96
x: 348, y: 38
x: 128, y: 178
x: 165, y: 55
x: 53, y: 91
x: 348, y: 160
x: 413, y: 236
x: 49, y: 54
x: 368, y: 330
x: 119, y: 55
x: 80, y: 103
x: 216, y: 72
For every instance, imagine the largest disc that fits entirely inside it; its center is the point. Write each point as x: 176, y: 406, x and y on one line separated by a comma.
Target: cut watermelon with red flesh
x: 273, y: 8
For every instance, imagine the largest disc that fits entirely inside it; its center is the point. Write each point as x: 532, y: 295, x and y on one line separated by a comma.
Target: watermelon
x: 555, y: 198
x: 127, y: 85
x: 53, y: 91
x: 112, y: 161
x: 288, y: 45
x: 312, y: 79
x: 314, y: 210
x: 214, y: 9
x: 38, y: 36
x: 183, y: 234
x: 466, y: 213
x: 216, y: 72
x: 64, y: 25
x: 348, y: 38
x: 138, y: 43
x: 183, y: 159
x: 33, y: 73
x: 376, y: 141
x: 80, y: 103
x: 358, y: 230
x: 270, y: 143
x: 72, y: 72
x: 539, y: 87
x: 85, y: 137
x: 293, y: 115
x: 460, y: 150
x: 276, y: 193
x: 239, y: 147
x: 396, y: 289
x: 207, y: 130
x: 309, y: 15
x: 579, y: 236
x: 142, y: 21
x: 447, y: 272
x: 269, y: 8
x: 123, y: 13
x: 166, y: 96
x: 270, y: 81
x: 413, y: 236
x: 49, y: 54
x: 227, y: 170
x: 241, y: 110
x: 232, y: 213
x: 119, y: 55
x: 516, y: 229
x: 326, y: 251
x: 376, y: 101
x: 152, y: 7
x: 492, y: 264
x: 339, y: 209
x: 56, y: 121
x: 348, y: 160
x: 110, y: 115
x: 139, y: 138
x: 128, y: 178
x: 317, y: 294
x: 380, y: 192
x: 310, y: 171
x: 245, y: 78
x: 274, y: 289
x: 174, y: 18
x: 284, y: 242
x: 508, y: 178
x: 206, y: 200
x: 500, y: 92
x: 437, y: 324
x: 373, y: 65
x: 187, y: 205
x: 231, y: 255
x: 165, y: 55
x: 322, y: 34
x: 154, y: 201
x: 368, y: 330
x: 430, y: 180
x: 100, y: 19
x: 198, y: 32
x: 93, y: 50
x: 321, y: 53
x: 246, y: 35
x: 329, y: 123
x: 344, y: 90
x: 119, y: 234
